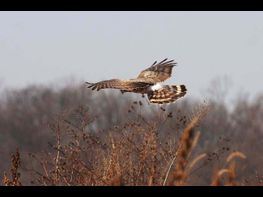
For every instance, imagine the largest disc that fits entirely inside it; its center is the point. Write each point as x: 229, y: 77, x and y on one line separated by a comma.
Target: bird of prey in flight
x: 148, y: 82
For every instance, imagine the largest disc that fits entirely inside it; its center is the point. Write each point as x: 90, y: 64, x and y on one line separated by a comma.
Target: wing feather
x: 158, y: 72
x: 125, y: 85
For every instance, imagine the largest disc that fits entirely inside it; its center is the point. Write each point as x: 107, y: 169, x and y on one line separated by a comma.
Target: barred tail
x: 167, y: 94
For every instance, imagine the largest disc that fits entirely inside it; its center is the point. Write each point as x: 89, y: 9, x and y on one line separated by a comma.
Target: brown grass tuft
x: 187, y: 143
x: 15, y: 175
x: 234, y: 155
x: 230, y: 170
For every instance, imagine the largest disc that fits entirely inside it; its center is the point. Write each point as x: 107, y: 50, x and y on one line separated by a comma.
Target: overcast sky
x: 43, y: 47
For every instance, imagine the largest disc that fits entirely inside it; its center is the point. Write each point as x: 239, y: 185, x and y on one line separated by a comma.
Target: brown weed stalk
x: 186, y: 144
x: 15, y: 175
x: 230, y: 170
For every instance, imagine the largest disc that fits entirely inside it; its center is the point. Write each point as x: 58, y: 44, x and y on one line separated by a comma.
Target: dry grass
x: 230, y: 170
x: 134, y: 153
x: 14, y: 180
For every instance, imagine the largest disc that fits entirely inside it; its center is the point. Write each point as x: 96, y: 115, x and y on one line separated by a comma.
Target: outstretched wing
x: 125, y: 85
x: 158, y: 72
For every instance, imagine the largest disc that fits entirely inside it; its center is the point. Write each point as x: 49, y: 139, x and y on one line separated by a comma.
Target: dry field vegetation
x: 72, y: 136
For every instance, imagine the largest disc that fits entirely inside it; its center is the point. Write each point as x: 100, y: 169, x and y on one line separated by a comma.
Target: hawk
x: 148, y: 82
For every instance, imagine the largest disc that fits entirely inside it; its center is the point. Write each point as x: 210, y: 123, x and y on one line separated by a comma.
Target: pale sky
x: 45, y: 47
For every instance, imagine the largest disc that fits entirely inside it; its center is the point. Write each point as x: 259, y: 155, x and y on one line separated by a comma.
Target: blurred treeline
x: 27, y: 116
